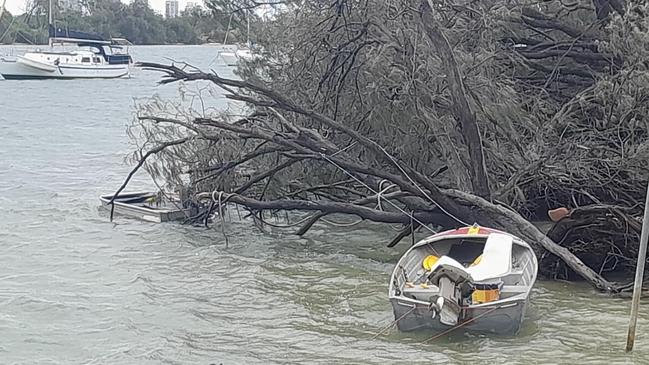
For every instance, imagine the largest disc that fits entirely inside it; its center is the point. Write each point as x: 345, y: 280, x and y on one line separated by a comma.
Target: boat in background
x: 474, y: 278
x: 231, y: 55
x: 94, y: 57
x: 148, y: 206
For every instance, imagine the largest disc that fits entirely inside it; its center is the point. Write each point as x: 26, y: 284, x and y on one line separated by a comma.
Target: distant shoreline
x: 133, y: 45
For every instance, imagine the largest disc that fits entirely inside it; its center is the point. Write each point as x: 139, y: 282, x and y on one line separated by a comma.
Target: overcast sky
x: 18, y: 6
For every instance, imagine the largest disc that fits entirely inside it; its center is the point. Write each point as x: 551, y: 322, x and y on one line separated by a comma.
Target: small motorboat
x: 148, y: 206
x: 474, y: 278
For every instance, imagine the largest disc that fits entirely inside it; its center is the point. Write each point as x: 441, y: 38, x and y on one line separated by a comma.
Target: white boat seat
x: 496, y: 258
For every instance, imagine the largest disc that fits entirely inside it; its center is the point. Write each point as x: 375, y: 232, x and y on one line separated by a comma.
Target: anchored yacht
x: 94, y: 57
x: 232, y: 55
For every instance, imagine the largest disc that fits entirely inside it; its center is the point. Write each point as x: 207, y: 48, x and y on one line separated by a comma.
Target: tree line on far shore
x: 136, y: 21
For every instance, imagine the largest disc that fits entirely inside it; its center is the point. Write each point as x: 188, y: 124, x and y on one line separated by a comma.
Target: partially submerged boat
x: 148, y: 206
x: 475, y: 278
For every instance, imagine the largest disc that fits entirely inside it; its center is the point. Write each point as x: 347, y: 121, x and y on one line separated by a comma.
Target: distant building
x: 192, y: 8
x: 171, y: 9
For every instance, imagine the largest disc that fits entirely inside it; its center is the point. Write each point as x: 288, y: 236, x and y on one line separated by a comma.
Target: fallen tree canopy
x: 437, y: 114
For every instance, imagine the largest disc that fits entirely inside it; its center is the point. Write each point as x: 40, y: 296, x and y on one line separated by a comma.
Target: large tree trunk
x: 461, y: 108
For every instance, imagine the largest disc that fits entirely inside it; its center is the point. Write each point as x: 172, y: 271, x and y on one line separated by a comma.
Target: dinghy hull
x: 470, y: 279
x: 137, y: 205
x: 501, y: 319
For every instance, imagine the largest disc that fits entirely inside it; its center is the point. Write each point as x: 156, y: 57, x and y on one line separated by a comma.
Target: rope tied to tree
x: 221, y: 202
x: 382, y: 191
x: 375, y: 192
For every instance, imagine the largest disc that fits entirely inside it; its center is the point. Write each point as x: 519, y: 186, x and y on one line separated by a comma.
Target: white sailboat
x: 231, y: 55
x: 94, y: 57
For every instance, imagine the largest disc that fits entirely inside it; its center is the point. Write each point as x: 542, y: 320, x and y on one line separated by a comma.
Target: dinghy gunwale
x: 156, y: 215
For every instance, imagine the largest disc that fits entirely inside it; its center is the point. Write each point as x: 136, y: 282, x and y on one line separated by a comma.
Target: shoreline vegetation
x: 136, y: 21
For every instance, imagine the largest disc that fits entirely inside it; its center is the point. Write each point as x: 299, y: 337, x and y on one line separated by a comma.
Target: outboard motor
x: 453, y: 281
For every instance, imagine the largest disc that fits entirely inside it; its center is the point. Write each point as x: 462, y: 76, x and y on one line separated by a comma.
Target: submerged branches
x: 140, y: 163
x: 434, y: 114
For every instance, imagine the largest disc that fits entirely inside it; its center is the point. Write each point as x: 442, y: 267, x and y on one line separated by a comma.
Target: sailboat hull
x: 229, y: 58
x: 232, y: 56
x: 18, y: 69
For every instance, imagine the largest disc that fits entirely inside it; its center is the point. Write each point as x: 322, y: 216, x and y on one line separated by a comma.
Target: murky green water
x: 77, y: 289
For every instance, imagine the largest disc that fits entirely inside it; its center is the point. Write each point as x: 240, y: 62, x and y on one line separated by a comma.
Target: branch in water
x: 153, y: 151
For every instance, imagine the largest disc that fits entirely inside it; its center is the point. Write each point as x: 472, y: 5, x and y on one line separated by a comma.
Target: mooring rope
x: 375, y: 192
x: 396, y: 163
x: 382, y: 191
x: 385, y: 328
x: 220, y: 202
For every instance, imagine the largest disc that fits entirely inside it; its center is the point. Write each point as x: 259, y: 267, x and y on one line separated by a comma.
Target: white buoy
x: 639, y: 273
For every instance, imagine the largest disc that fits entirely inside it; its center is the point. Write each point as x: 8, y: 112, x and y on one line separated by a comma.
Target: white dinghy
x: 475, y: 278
x: 148, y: 206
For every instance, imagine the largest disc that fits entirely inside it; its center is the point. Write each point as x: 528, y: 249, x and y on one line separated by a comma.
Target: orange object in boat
x: 485, y: 293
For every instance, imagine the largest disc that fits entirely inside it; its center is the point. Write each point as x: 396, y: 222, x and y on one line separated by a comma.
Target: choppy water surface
x: 77, y: 289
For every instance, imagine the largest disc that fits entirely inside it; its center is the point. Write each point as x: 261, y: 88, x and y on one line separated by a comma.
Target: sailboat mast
x: 225, y: 40
x: 50, y: 23
x: 2, y: 8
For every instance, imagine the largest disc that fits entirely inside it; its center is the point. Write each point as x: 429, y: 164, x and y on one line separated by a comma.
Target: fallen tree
x: 432, y: 114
